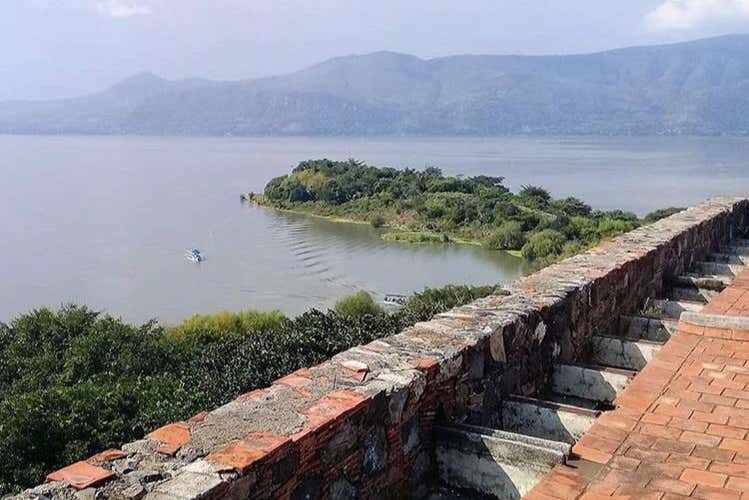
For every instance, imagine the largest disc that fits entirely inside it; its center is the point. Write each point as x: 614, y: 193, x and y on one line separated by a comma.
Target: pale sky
x: 59, y: 48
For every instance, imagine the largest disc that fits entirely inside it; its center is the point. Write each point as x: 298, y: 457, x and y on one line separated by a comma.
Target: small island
x: 426, y: 206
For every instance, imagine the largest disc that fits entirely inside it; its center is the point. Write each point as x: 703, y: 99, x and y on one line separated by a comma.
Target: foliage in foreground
x: 74, y: 382
x: 427, y: 206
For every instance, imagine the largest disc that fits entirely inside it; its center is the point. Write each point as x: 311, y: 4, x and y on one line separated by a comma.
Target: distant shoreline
x: 426, y: 206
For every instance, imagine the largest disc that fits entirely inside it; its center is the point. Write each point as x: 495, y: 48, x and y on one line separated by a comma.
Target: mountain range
x: 699, y: 87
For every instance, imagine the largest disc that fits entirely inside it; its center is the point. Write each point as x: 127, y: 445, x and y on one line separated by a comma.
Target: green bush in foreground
x: 74, y: 382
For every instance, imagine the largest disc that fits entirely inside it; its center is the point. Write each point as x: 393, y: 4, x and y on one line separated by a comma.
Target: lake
x: 105, y: 221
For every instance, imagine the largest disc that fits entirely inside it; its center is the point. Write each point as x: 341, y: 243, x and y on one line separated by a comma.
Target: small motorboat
x: 194, y: 255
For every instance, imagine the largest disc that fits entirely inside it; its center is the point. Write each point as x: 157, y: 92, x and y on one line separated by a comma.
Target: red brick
x: 671, y: 486
x: 736, y: 393
x: 242, y: 455
x: 673, y: 446
x: 293, y: 380
x: 697, y: 405
x: 712, y: 493
x: 673, y: 411
x: 733, y: 386
x: 597, y: 496
x: 174, y: 434
x: 718, y: 400
x: 689, y: 461
x: 704, y: 477
x: 660, y: 431
x: 426, y: 364
x: 652, y: 418
x: 237, y: 456
x: 699, y: 438
x: 633, y: 402
x: 742, y: 335
x: 717, y: 333
x: 256, y: 394
x: 599, y: 443
x: 737, y: 445
x: 560, y: 483
x: 730, y: 469
x: 688, y: 425
x: 665, y: 469
x: 647, y: 455
x: 712, y: 418
x: 535, y: 495
x: 81, y: 475
x: 705, y: 388
x: 624, y: 463
x: 712, y: 453
x: 200, y: 417
x: 331, y: 407
x: 640, y: 440
x: 726, y: 431
x: 690, y: 328
x: 591, y: 454
x: 617, y: 421
x: 688, y: 396
x: 107, y: 456
x: 738, y: 484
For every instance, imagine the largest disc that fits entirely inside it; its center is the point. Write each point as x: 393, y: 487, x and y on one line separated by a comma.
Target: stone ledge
x: 738, y: 323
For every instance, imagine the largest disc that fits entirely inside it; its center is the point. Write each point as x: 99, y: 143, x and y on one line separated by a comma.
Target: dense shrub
x: 74, y: 382
x: 571, y: 207
x: 424, y: 305
x: 359, y: 304
x: 662, y: 214
x: 377, y: 221
x: 544, y: 244
x: 534, y: 197
x: 228, y: 323
x: 509, y: 236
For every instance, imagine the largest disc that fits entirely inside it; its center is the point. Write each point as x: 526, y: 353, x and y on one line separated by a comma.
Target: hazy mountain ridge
x: 699, y: 87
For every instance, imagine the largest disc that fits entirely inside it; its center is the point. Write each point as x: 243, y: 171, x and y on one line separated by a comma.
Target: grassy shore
x: 393, y: 232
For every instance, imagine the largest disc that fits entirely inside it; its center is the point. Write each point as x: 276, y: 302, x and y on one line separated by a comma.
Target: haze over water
x: 104, y: 221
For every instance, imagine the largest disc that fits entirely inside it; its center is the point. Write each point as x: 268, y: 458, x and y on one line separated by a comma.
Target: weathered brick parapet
x: 360, y: 425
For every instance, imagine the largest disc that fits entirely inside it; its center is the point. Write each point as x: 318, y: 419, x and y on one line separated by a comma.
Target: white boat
x: 194, y: 255
x: 395, y: 299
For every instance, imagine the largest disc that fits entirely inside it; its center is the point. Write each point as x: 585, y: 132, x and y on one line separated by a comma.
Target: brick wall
x: 360, y: 424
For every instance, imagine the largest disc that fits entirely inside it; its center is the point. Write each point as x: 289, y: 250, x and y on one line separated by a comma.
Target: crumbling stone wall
x: 360, y: 424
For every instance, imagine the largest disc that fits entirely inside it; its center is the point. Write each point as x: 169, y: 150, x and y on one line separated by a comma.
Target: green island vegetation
x: 74, y: 382
x: 429, y: 207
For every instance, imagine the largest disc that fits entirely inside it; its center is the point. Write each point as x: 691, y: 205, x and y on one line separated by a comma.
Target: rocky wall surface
x: 360, y: 424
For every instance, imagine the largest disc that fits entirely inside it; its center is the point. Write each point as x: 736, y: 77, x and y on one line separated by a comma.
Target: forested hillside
x: 699, y: 87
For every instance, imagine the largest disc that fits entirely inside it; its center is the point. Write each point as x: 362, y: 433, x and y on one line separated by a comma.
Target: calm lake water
x: 104, y: 221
